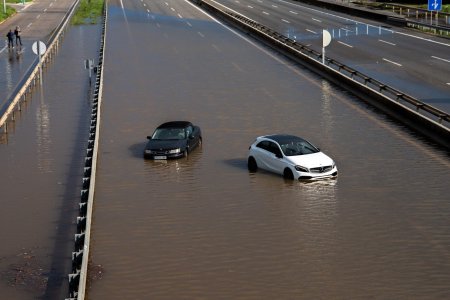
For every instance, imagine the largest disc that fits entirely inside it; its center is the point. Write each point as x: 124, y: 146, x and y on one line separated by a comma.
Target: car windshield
x: 169, y: 134
x: 298, y: 147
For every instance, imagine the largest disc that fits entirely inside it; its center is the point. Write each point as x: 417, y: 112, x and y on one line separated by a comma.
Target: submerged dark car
x: 172, y: 140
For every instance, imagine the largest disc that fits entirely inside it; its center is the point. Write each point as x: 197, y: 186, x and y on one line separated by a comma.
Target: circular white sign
x: 326, y: 38
x: 42, y: 48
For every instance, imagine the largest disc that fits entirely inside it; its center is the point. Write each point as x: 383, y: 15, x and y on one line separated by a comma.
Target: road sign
x: 39, y: 50
x: 434, y: 4
x: 326, y: 40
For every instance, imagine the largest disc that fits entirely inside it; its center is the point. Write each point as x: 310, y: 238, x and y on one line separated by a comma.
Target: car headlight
x: 301, y: 169
x: 175, y: 151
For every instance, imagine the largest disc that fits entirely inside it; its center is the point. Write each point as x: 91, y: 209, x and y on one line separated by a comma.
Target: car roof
x: 282, y: 138
x: 175, y: 124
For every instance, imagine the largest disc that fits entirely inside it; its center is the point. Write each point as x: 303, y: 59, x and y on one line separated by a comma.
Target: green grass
x: 17, y: 1
x: 88, y: 12
x: 9, y: 11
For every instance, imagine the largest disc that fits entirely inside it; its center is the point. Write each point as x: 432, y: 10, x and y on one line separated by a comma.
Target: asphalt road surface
x: 414, y: 63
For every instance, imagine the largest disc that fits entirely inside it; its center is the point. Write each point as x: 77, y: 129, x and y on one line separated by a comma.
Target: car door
x: 275, y: 161
x: 262, y: 155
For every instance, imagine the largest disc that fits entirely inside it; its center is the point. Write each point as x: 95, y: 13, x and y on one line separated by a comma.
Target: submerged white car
x: 290, y: 156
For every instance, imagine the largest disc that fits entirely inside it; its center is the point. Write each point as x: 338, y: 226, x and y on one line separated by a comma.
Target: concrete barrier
x: 80, y: 255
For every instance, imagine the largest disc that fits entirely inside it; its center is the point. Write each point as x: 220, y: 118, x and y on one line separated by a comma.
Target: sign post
x: 326, y: 40
x: 39, y: 49
x: 434, y: 5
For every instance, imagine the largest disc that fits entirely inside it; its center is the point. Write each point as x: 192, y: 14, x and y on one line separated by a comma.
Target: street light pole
x: 4, y: 6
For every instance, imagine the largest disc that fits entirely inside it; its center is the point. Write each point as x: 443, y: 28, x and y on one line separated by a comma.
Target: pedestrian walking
x: 17, y: 34
x: 10, y: 36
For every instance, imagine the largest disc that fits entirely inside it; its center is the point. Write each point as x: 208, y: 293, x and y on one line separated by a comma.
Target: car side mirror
x: 149, y: 137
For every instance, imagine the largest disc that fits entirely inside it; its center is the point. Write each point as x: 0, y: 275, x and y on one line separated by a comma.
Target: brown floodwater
x: 203, y: 227
x: 42, y: 160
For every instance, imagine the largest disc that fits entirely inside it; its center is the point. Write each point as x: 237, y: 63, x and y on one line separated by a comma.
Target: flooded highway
x: 42, y: 160
x: 204, y: 227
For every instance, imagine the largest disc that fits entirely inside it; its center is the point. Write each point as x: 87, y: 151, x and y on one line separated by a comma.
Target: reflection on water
x: 43, y: 138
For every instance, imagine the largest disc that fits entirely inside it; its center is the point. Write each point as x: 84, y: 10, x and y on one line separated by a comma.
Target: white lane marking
x: 201, y: 34
x: 443, y: 59
x: 167, y: 4
x: 180, y: 16
x: 392, y: 62
x: 285, y: 21
x: 293, y: 12
x: 45, y: 10
x: 249, y: 6
x: 4, y: 48
x: 448, y: 83
x: 386, y: 42
x: 237, y: 1
x: 38, y: 16
x: 345, y: 29
x: 29, y: 25
x: 51, y: 4
x: 266, y: 13
x: 148, y: 10
x: 274, y: 6
x: 350, y: 46
x: 216, y: 48
x: 172, y: 9
x: 237, y: 67
x: 189, y: 24
x: 145, y: 4
x: 317, y: 20
x: 312, y: 31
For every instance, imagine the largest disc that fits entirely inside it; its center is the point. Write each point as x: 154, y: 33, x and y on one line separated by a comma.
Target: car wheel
x: 252, y: 165
x: 287, y: 174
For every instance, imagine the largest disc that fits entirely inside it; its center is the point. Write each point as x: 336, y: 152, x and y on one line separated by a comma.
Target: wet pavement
x: 203, y: 227
x: 42, y: 160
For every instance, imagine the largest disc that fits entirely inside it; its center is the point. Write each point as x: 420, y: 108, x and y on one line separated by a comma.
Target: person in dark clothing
x: 17, y: 34
x: 10, y: 36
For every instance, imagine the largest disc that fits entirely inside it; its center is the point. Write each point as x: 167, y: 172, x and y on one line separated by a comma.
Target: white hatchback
x: 290, y: 156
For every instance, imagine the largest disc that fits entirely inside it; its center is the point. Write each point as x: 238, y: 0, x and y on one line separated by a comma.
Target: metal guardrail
x: 425, y: 118
x: 80, y: 256
x: 423, y: 19
x: 393, y: 93
x: 31, y: 76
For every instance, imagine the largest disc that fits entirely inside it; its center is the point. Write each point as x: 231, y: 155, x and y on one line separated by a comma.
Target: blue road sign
x: 434, y: 4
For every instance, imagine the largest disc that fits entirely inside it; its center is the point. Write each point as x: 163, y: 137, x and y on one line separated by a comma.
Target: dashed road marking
x: 274, y: 6
x: 443, y: 59
x: 293, y: 12
x: 350, y: 46
x: 189, y: 24
x: 45, y: 10
x: 312, y: 31
x: 249, y: 6
x: 201, y: 34
x: 29, y: 25
x: 266, y: 13
x: 386, y: 42
x: 392, y: 62
x: 317, y: 20
x: 285, y: 21
x: 180, y: 16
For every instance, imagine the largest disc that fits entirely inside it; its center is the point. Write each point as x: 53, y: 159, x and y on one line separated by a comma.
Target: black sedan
x: 172, y: 140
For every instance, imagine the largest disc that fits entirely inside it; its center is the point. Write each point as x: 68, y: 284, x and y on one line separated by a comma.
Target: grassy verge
x: 88, y: 12
x: 9, y: 11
